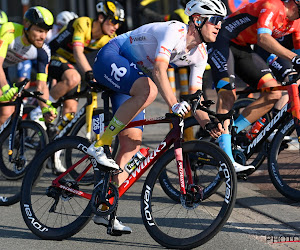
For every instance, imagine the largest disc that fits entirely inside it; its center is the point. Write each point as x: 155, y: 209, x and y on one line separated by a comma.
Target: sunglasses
x: 114, y: 21
x: 215, y: 20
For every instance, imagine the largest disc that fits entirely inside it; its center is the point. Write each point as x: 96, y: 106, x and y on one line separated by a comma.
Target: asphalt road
x: 261, y: 219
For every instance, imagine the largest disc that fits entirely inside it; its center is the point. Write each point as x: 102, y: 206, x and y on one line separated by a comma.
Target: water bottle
x: 256, y: 127
x: 136, y: 160
x: 65, y: 120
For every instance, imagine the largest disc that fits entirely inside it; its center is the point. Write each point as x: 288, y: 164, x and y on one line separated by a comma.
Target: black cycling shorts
x: 227, y: 59
x: 58, y: 65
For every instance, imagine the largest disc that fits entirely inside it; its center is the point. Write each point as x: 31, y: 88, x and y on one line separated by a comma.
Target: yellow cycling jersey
x: 77, y: 33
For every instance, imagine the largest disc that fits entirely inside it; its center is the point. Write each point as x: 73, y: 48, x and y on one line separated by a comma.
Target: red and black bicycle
x: 184, y: 213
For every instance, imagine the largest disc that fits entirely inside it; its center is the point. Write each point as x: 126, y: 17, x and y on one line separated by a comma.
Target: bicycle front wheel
x: 179, y: 224
x: 29, y: 139
x: 52, y: 212
x: 284, y: 160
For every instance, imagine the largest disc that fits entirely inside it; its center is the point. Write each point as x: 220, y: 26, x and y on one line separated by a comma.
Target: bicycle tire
x: 161, y: 215
x: 283, y: 161
x: 242, y: 141
x: 11, y: 174
x: 38, y: 196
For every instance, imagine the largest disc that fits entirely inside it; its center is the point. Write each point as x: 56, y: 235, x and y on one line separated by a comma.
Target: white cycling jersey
x: 166, y: 42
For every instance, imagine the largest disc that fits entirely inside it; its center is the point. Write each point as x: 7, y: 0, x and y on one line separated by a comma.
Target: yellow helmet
x: 39, y: 16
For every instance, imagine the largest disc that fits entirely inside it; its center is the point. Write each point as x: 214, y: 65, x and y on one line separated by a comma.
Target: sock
x: 114, y: 127
x: 241, y: 122
x: 225, y: 144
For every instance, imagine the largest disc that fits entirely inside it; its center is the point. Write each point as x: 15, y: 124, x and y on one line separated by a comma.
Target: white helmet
x: 64, y: 17
x: 205, y: 7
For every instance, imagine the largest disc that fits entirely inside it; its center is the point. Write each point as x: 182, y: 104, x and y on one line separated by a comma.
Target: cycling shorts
x: 115, y: 71
x: 118, y: 74
x: 227, y: 59
x: 58, y: 65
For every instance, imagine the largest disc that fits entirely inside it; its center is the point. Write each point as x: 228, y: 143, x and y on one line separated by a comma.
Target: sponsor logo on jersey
x: 137, y: 39
x: 237, y: 23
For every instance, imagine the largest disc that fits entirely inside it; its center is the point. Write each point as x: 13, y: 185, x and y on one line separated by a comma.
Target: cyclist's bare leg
x: 143, y: 92
x: 5, y: 113
x: 263, y: 104
x: 129, y: 144
x: 70, y: 106
x: 69, y: 80
x: 226, y: 99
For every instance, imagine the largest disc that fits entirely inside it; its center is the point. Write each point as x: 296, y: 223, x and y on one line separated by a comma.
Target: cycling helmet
x: 40, y: 17
x: 111, y: 9
x: 205, y: 7
x: 64, y: 17
x: 3, y: 17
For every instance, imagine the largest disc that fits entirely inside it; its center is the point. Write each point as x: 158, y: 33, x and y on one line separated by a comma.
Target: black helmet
x: 39, y: 16
x: 111, y: 9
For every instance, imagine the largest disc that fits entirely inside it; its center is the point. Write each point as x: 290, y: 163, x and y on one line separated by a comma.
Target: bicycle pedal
x: 242, y: 176
x: 112, y: 232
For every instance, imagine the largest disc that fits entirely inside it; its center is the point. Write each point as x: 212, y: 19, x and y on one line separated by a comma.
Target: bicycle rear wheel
x: 173, y: 224
x: 51, y: 212
x: 284, y: 160
x: 32, y: 138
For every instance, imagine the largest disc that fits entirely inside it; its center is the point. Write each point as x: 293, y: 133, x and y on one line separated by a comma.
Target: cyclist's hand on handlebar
x: 215, y: 129
x: 8, y: 93
x: 49, y: 114
x: 181, y: 108
x: 296, y: 63
x: 89, y: 76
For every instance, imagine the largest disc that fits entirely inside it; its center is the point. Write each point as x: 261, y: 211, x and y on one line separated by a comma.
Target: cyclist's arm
x: 267, y: 42
x: 81, y: 60
x: 161, y: 79
x: 43, y: 58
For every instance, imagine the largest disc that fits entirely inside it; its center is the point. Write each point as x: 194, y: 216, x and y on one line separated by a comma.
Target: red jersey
x: 261, y: 17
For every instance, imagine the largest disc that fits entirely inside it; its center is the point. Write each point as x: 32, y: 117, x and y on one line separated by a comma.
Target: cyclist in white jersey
x: 135, y: 65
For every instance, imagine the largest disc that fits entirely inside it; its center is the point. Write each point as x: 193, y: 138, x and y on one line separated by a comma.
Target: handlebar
x: 195, y: 101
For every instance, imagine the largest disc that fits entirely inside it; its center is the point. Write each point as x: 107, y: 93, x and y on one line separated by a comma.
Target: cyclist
x: 81, y: 36
x: 132, y: 62
x: 256, y: 23
x: 21, y: 42
x: 24, y: 68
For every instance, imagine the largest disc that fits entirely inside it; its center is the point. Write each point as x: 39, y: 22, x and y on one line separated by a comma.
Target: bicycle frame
x: 89, y: 106
x: 14, y: 119
x: 173, y: 137
x: 290, y: 108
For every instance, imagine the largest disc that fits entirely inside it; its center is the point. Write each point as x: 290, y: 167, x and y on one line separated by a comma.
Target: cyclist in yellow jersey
x: 19, y: 43
x: 79, y: 37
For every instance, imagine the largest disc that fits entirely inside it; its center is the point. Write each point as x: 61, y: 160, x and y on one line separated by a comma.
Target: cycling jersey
x: 78, y: 32
x: 14, y: 50
x: 131, y: 55
x: 262, y: 16
x: 163, y: 42
x: 232, y: 53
